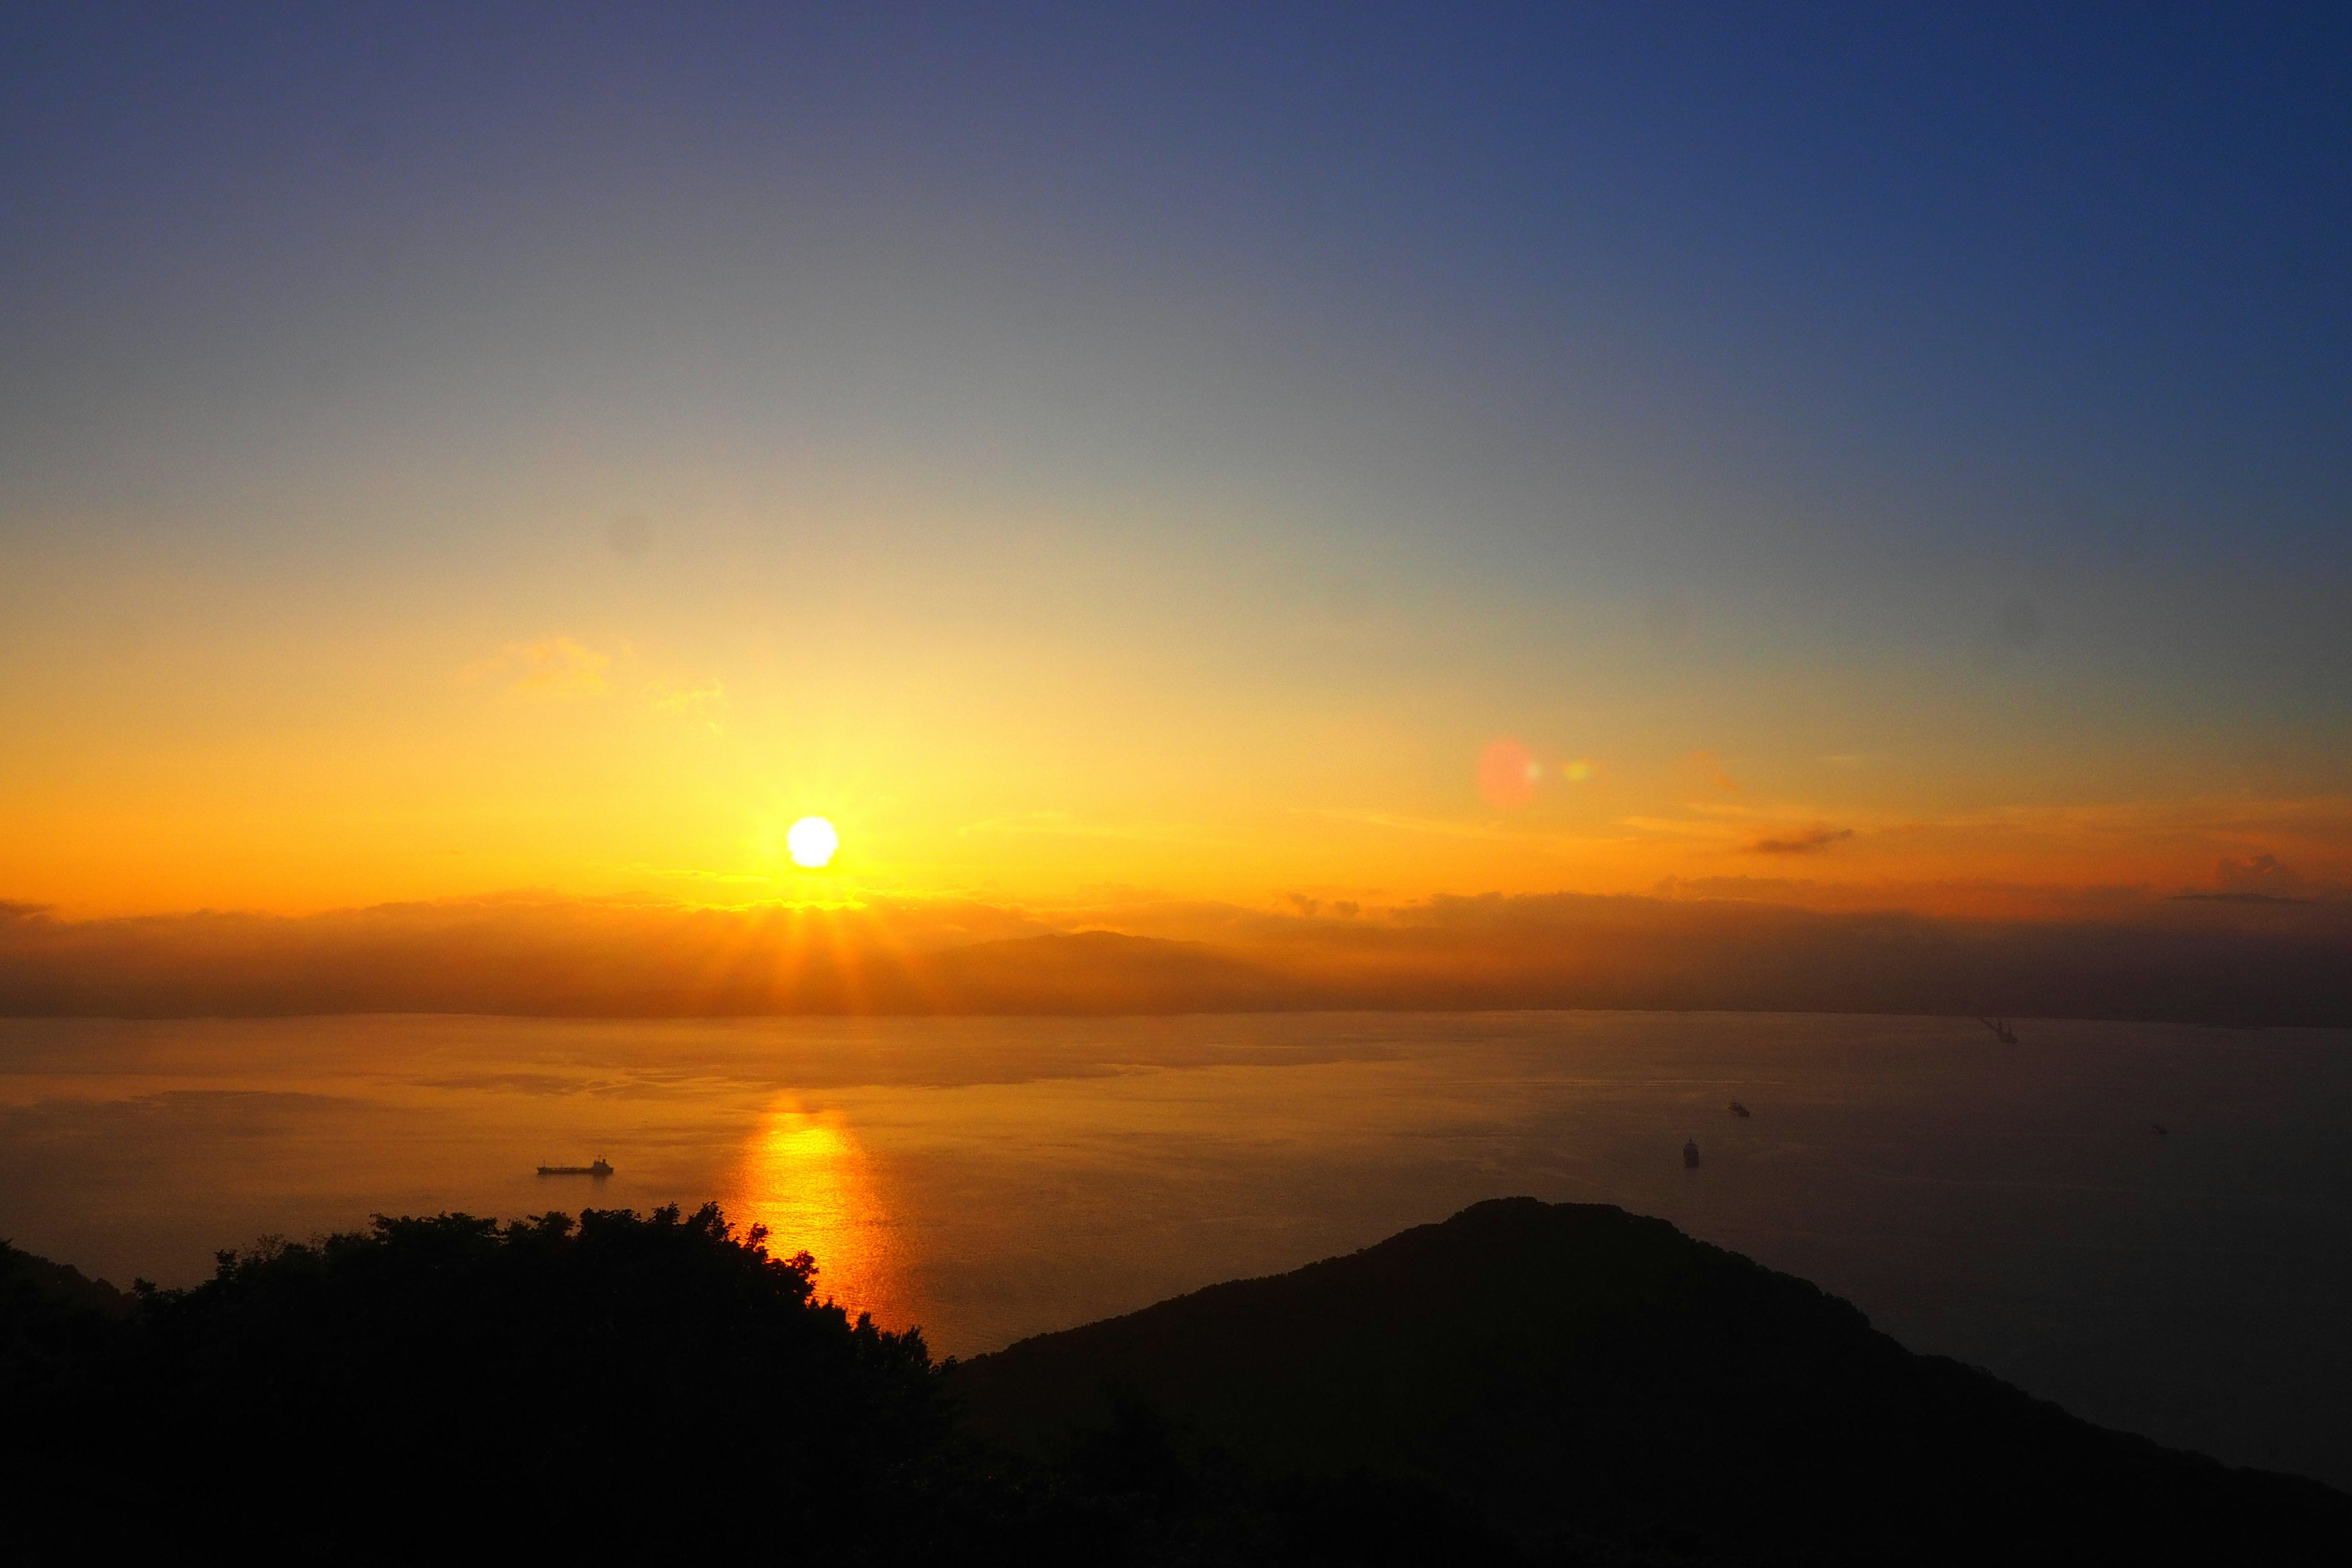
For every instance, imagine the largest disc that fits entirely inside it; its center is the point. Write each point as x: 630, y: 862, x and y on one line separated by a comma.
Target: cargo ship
x: 598, y: 1168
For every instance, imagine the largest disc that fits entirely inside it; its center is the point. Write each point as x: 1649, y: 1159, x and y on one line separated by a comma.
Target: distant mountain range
x: 2214, y: 961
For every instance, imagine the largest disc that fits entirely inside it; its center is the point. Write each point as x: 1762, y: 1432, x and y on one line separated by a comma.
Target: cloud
x: 2263, y: 880
x: 704, y: 702
x: 1062, y: 825
x: 551, y: 667
x: 1442, y: 826
x: 1977, y: 898
x: 1813, y: 840
x: 1710, y: 767
x: 2263, y: 875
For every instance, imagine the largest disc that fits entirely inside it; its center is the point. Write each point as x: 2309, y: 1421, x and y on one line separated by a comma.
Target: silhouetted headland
x: 1596, y: 1386
x: 1523, y: 1383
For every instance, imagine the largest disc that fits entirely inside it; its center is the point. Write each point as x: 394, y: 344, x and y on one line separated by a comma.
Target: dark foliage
x: 1523, y: 1384
x: 614, y: 1381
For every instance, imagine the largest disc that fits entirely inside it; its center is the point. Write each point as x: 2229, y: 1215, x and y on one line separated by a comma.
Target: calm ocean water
x: 2011, y: 1205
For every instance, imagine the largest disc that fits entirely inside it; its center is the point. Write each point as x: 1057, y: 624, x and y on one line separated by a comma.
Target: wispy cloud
x: 694, y: 873
x: 554, y: 667
x: 707, y: 703
x: 1442, y: 826
x: 1450, y: 827
x: 1062, y: 825
x: 1813, y: 840
x: 1709, y: 766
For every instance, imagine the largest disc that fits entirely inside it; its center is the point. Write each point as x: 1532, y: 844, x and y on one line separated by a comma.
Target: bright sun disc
x: 812, y: 842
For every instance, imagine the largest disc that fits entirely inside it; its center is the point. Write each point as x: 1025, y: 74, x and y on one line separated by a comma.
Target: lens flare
x: 1508, y: 773
x: 812, y: 842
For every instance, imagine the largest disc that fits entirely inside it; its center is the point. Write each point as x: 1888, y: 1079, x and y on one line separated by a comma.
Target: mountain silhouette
x: 1594, y: 1385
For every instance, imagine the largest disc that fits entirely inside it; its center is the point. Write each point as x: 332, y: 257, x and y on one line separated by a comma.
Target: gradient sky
x: 450, y: 449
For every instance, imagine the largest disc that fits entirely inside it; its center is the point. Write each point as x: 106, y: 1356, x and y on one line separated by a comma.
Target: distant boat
x: 2162, y: 1130
x: 598, y: 1168
x: 1738, y: 1110
x: 1690, y: 1155
x: 2001, y: 1030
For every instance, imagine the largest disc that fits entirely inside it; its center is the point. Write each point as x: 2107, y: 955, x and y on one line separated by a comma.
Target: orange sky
x: 198, y: 726
x: 299, y: 768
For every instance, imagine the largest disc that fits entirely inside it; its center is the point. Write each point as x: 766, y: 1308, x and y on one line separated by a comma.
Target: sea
x: 2149, y: 1225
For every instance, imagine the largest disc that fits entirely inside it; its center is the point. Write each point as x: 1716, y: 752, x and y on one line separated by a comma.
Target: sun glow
x: 812, y: 842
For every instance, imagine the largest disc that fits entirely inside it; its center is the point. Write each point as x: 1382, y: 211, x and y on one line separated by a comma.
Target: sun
x: 812, y: 842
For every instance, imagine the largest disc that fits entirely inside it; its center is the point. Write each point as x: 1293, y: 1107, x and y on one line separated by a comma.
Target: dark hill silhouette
x: 66, y: 1286
x: 1592, y: 1383
x: 1522, y: 1385
x: 60, y: 1335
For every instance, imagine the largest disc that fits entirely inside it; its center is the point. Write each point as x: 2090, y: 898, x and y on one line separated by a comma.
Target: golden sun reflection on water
x: 805, y: 1175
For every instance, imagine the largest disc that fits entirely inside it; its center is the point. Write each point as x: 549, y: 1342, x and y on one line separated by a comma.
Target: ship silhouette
x: 598, y: 1168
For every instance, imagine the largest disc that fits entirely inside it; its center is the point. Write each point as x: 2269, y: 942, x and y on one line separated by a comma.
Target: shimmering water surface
x: 2013, y: 1206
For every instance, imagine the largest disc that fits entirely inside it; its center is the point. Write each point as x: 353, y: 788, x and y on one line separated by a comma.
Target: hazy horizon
x: 2239, y: 959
